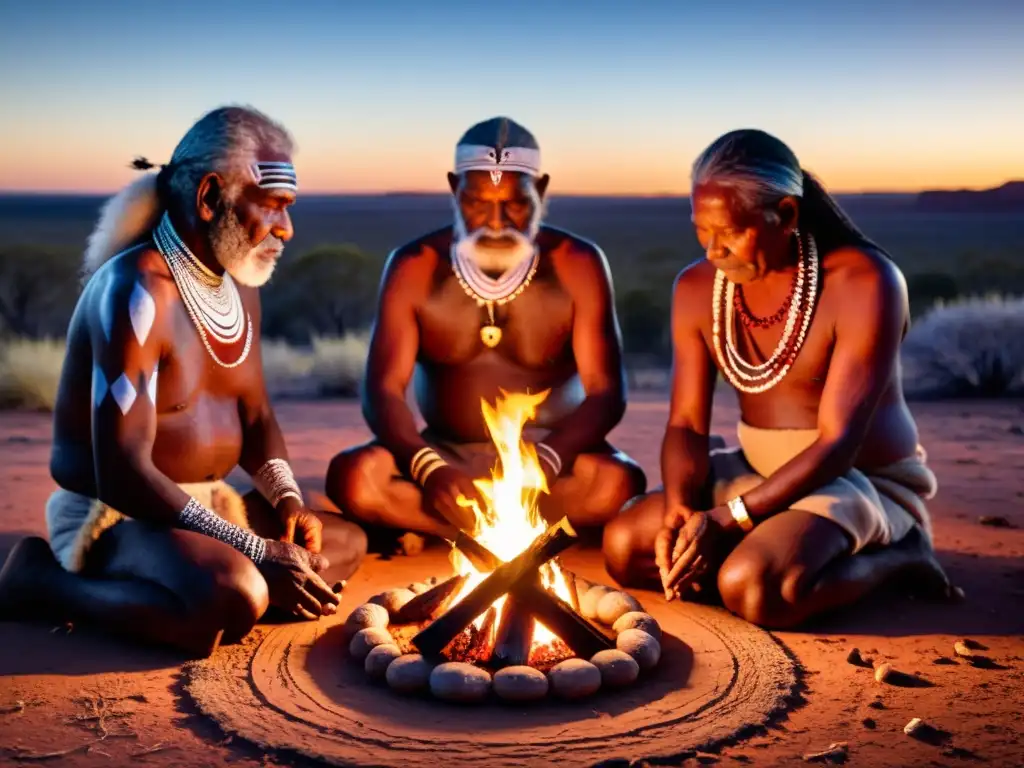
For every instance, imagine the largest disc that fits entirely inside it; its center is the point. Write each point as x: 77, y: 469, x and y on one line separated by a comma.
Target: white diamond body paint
x: 124, y: 393
x: 99, y: 385
x: 151, y: 386
x: 142, y: 312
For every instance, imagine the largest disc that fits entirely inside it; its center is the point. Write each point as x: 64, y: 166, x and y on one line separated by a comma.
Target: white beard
x: 495, y: 261
x: 252, y: 267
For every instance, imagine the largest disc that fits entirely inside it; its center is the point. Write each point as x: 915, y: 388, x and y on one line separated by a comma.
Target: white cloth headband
x: 275, y: 175
x: 478, y: 157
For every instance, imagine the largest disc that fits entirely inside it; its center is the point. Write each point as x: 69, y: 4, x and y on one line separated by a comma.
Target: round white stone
x: 366, y: 615
x: 574, y: 678
x: 458, y: 681
x: 379, y: 659
x: 638, y: 620
x: 618, y: 669
x: 520, y: 684
x: 393, y: 599
x: 366, y: 640
x: 615, y: 604
x: 408, y: 673
x: 588, y: 605
x: 641, y: 646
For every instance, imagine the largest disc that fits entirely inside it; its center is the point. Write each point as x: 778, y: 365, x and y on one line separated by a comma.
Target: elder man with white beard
x: 161, y: 397
x: 495, y: 302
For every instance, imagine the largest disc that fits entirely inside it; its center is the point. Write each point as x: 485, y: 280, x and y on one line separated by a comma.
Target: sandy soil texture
x: 105, y: 702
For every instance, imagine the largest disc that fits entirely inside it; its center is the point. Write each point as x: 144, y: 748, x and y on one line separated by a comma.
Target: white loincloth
x: 75, y: 522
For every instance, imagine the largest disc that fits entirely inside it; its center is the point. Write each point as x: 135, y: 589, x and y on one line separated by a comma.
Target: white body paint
x: 124, y: 393
x: 99, y: 385
x: 107, y: 312
x: 142, y: 312
x: 151, y: 387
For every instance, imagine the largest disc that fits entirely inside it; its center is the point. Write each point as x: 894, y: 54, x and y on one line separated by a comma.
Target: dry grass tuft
x: 969, y: 348
x: 30, y: 373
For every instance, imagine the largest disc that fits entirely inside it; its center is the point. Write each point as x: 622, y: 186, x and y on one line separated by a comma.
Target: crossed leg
x: 366, y: 483
x: 792, y: 566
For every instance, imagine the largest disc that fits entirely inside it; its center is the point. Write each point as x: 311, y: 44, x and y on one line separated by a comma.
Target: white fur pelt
x: 124, y: 221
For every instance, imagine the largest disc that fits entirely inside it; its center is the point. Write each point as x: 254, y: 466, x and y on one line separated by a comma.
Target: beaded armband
x: 275, y: 481
x: 424, y: 463
x: 195, y: 517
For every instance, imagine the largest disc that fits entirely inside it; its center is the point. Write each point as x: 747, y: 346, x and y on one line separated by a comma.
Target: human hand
x: 296, y: 519
x: 450, y: 492
x: 675, y: 517
x: 293, y: 581
x: 693, y: 549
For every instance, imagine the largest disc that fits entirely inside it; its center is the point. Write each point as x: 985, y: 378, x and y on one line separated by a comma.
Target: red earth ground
x: 60, y: 691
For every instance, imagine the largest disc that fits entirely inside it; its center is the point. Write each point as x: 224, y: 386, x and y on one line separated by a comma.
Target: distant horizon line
x: 444, y: 193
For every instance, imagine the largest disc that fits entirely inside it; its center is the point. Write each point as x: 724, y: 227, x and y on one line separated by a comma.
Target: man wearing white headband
x: 162, y: 396
x: 494, y: 302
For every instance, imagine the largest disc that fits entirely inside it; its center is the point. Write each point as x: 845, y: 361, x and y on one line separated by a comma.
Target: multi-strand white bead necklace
x: 489, y: 292
x: 212, y: 300
x: 748, y: 377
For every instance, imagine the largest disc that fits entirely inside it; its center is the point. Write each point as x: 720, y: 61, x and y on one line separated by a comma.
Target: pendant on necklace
x: 490, y: 335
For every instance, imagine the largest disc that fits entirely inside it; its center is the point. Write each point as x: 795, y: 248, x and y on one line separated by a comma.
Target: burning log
x: 559, y: 537
x: 432, y: 603
x: 481, y: 646
x: 575, y: 631
x: 515, y: 634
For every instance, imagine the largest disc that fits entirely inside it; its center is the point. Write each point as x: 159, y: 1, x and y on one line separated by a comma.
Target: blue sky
x: 622, y: 96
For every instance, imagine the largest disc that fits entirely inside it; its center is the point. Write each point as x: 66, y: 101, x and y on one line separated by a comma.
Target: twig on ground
x: 154, y: 749
x: 19, y: 754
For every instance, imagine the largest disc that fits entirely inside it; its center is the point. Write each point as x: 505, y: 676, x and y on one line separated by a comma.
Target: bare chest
x: 535, y: 328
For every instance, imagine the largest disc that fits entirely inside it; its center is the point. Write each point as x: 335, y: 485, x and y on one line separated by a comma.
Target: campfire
x: 509, y: 607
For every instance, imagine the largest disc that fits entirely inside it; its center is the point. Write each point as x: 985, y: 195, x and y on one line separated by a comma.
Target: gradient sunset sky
x: 873, y: 95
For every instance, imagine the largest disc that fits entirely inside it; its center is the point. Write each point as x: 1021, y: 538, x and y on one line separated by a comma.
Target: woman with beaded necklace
x: 803, y: 315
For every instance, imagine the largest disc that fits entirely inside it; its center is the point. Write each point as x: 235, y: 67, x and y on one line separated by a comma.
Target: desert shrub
x: 286, y: 369
x: 929, y: 288
x: 30, y: 373
x: 329, y: 291
x: 339, y: 364
x: 969, y: 348
x: 38, y: 289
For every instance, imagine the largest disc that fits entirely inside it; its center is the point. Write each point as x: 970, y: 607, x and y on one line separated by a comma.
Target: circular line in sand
x: 294, y: 688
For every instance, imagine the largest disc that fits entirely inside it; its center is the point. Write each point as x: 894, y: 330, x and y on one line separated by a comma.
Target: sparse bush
x: 926, y: 289
x: 339, y: 364
x: 30, y: 373
x: 286, y: 369
x: 970, y: 348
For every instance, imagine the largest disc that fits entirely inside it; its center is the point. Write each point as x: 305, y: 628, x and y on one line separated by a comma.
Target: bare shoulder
x: 575, y: 258
x: 692, y: 289
x: 864, y: 275
x: 412, y: 262
x: 139, y: 275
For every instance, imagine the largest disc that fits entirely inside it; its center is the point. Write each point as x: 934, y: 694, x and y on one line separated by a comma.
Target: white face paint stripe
x: 124, y: 393
x: 99, y: 385
x: 151, y: 387
x: 142, y: 312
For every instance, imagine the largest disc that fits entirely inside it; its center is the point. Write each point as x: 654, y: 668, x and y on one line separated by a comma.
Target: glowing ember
x: 511, y: 520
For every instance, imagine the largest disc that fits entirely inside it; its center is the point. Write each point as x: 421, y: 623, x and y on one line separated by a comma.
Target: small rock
x: 366, y: 615
x: 574, y: 678
x: 944, y: 660
x: 854, y: 657
x: 409, y: 673
x: 379, y: 659
x: 868, y: 723
x: 618, y: 669
x: 706, y: 758
x: 918, y: 729
x: 876, y: 704
x: 835, y: 753
x: 366, y: 640
x: 615, y: 604
x: 411, y: 544
x: 393, y: 599
x: 884, y: 672
x: 995, y: 521
x: 520, y: 684
x: 638, y: 620
x: 588, y: 605
x: 461, y: 682
x: 641, y: 646
x: 965, y: 649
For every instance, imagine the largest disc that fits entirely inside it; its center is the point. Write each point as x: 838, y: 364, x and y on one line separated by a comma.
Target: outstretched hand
x: 685, y: 551
x: 294, y: 583
x: 450, y: 493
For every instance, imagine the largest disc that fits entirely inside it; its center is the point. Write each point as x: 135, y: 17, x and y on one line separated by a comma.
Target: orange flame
x: 511, y: 520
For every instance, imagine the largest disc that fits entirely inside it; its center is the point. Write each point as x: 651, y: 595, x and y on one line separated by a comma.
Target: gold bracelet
x: 739, y: 513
